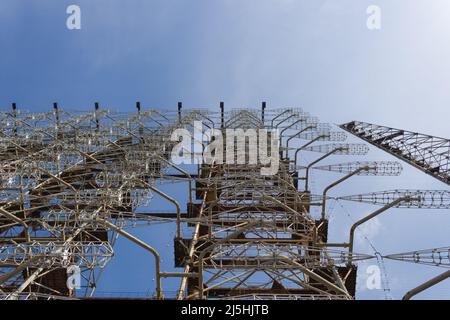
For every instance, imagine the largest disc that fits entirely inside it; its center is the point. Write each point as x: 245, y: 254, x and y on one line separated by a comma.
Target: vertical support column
x: 55, y: 108
x: 222, y: 115
x: 141, y: 129
x: 97, y: 122
x: 263, y: 107
x: 180, y: 105
x: 14, y: 113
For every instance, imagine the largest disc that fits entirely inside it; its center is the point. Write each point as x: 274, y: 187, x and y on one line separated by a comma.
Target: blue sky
x: 314, y: 54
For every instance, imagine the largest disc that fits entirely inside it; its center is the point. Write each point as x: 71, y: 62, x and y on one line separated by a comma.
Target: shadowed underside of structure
x: 427, y: 153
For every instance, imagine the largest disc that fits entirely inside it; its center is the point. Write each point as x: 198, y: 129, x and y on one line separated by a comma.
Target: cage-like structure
x: 71, y: 182
x: 62, y: 174
x: 254, y: 236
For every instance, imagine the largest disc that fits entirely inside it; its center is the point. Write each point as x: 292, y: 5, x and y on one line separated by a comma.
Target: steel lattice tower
x: 254, y: 236
x: 72, y: 181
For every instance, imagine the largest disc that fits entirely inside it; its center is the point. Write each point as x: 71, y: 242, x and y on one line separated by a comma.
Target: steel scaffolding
x: 71, y: 182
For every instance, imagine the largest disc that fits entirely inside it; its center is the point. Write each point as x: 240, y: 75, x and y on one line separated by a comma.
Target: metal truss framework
x: 429, y: 199
x: 254, y: 236
x: 70, y: 182
x: 63, y: 174
x: 429, y: 154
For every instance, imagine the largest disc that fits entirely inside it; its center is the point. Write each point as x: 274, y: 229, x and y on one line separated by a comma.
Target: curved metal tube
x: 367, y: 218
x: 170, y: 199
x: 183, y: 172
x: 146, y: 247
x: 324, y: 194
x: 292, y: 115
x: 317, y: 161
x: 306, y: 145
x: 290, y: 126
x: 426, y: 285
x: 295, y: 135
x: 274, y: 118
